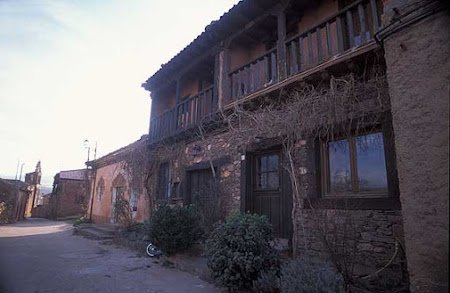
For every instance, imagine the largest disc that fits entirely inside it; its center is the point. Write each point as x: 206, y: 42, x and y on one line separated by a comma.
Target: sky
x: 72, y: 70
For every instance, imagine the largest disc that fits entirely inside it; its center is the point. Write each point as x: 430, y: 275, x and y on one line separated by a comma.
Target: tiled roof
x: 73, y: 174
x: 215, y: 32
x: 117, y: 155
x: 22, y: 185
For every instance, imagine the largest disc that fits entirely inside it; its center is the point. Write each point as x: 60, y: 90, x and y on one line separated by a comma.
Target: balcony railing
x: 353, y: 26
x: 254, y: 75
x: 348, y: 29
x: 187, y: 114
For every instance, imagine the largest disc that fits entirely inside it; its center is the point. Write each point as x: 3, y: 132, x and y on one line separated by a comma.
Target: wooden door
x: 269, y: 192
x: 200, y: 187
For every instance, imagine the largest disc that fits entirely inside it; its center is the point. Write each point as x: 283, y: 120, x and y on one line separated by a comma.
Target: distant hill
x: 46, y: 189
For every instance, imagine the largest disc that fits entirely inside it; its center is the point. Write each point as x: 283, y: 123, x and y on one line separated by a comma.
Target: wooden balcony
x: 352, y: 27
x: 347, y: 33
x: 254, y: 75
x: 185, y: 115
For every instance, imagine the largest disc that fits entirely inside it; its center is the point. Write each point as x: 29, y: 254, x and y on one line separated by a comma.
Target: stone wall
x: 358, y: 234
x: 376, y: 232
x: 418, y: 69
x: 215, y: 149
x: 70, y: 199
x: 12, y: 202
x: 371, y: 239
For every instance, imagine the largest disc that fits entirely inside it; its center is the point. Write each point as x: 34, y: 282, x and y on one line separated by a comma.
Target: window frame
x: 166, y: 189
x: 257, y: 171
x: 355, y: 192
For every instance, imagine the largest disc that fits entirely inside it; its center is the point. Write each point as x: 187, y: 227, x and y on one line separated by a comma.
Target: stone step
x: 106, y: 229
x: 91, y: 233
x: 101, y: 228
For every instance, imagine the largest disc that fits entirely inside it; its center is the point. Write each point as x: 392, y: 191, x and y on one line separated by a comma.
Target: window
x: 163, y: 181
x: 267, y: 172
x: 355, y: 165
x: 100, y: 188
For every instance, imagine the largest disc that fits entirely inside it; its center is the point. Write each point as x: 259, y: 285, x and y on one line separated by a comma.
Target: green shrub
x: 82, y: 220
x: 136, y: 232
x: 268, y: 281
x: 137, y: 227
x: 298, y: 276
x: 175, y: 229
x: 5, y: 216
x: 239, y: 249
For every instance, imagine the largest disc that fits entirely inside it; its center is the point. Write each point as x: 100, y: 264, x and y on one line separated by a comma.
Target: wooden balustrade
x: 254, y: 75
x: 353, y: 26
x: 185, y: 115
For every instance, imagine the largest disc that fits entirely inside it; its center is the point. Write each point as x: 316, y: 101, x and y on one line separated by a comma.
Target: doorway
x: 268, y: 190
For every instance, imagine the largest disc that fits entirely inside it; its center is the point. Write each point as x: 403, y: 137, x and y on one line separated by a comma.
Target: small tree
x: 124, y: 213
x: 239, y: 249
x: 4, y: 213
x: 175, y: 229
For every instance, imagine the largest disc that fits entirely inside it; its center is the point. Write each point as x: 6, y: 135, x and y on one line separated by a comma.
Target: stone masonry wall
x: 376, y: 232
x: 418, y: 69
x: 378, y: 236
x: 366, y: 238
x: 226, y: 158
x: 72, y: 199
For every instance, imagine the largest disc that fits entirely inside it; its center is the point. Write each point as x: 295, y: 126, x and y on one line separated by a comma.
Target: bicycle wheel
x: 152, y: 251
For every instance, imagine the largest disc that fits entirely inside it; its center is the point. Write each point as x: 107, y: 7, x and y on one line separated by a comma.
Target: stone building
x: 14, y: 195
x: 112, y: 180
x: 70, y: 195
x: 329, y: 117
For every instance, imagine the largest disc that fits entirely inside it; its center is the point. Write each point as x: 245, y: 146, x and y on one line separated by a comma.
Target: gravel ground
x: 40, y: 256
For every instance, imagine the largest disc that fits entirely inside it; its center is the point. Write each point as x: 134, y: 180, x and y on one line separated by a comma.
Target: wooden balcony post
x: 152, y: 112
x: 216, y: 89
x: 362, y: 23
x: 374, y: 9
x: 178, y: 100
x: 178, y: 90
x: 281, y: 44
x: 224, y: 82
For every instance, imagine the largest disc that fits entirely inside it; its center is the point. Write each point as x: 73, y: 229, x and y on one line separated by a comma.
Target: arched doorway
x: 118, y: 192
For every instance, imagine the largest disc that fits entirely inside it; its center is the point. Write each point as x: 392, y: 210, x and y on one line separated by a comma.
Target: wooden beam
x: 249, y: 25
x: 195, y: 62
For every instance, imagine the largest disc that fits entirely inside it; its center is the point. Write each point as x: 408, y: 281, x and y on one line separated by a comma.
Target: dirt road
x: 40, y: 256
